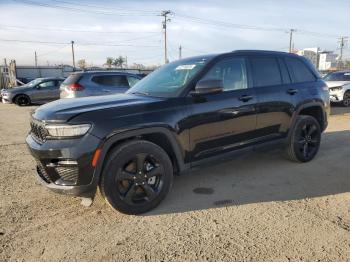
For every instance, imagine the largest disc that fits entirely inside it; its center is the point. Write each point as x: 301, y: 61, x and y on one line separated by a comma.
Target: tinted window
x: 132, y: 80
x: 301, y: 73
x: 72, y: 79
x: 47, y: 84
x: 231, y: 71
x: 266, y: 72
x: 284, y: 72
x: 111, y: 80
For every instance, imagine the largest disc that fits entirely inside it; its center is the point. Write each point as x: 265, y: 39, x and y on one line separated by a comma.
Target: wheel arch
x: 314, y: 109
x: 160, y: 136
x: 20, y: 94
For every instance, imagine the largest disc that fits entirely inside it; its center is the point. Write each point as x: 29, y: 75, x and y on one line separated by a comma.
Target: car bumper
x: 336, y: 96
x: 6, y: 99
x: 64, y: 166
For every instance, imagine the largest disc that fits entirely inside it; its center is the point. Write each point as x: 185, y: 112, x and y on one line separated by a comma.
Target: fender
x: 107, y: 144
x: 308, y: 105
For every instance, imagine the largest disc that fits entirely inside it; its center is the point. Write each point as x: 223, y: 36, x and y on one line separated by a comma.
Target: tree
x: 109, y: 62
x: 82, y: 63
x: 347, y: 63
x: 119, y: 62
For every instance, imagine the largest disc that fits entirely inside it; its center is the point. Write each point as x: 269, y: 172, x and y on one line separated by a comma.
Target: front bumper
x: 336, y: 96
x: 6, y: 99
x: 64, y: 166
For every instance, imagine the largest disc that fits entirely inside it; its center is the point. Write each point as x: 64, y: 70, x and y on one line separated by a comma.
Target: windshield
x: 34, y: 82
x: 170, y: 79
x: 338, y: 76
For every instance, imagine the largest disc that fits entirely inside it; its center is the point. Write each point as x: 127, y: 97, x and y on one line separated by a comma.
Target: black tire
x: 22, y: 100
x: 346, y: 99
x: 304, y: 140
x: 127, y: 183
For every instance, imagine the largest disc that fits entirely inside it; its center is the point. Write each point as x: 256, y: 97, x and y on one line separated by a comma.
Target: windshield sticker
x: 185, y: 67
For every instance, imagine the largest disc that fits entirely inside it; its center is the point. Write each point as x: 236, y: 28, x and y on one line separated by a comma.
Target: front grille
x: 42, y: 173
x: 38, y: 131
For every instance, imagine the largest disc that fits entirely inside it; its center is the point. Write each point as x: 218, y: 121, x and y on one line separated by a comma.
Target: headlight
x: 337, y: 88
x: 67, y: 130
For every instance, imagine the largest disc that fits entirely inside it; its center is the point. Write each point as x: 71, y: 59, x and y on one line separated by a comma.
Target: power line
x: 54, y: 6
x: 66, y: 43
x: 75, y: 30
x: 114, y: 8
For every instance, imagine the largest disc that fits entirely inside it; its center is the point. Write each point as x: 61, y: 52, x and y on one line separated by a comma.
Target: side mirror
x: 210, y: 86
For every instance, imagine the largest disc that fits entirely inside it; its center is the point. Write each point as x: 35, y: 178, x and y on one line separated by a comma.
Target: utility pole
x: 291, y: 40
x: 166, y: 19
x: 342, y: 43
x: 180, y: 52
x: 36, y: 59
x: 72, y: 42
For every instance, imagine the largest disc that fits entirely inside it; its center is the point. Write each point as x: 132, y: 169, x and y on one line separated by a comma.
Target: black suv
x: 187, y: 112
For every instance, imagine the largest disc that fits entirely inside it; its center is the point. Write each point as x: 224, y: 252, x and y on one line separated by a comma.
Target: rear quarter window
x: 72, y: 79
x: 299, y: 70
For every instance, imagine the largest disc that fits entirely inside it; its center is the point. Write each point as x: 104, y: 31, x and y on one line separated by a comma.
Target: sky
x: 133, y: 28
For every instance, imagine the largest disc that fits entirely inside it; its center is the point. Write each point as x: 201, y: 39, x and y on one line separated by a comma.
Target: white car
x: 339, y: 87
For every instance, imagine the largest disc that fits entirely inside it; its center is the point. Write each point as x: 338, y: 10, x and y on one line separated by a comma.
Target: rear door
x: 46, y: 91
x: 303, y: 80
x: 271, y: 83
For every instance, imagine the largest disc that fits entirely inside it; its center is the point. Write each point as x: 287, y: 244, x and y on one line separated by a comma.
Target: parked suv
x: 339, y: 87
x: 97, y: 83
x: 186, y: 113
x: 40, y: 91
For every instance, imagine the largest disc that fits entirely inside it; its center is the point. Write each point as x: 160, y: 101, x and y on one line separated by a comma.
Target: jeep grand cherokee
x: 187, y: 112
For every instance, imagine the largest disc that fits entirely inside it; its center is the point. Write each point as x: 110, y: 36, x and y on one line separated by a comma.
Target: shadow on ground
x: 263, y: 175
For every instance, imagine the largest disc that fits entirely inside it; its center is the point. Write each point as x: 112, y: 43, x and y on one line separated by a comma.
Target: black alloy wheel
x: 137, y: 177
x: 305, y: 139
x: 22, y: 100
x: 346, y: 99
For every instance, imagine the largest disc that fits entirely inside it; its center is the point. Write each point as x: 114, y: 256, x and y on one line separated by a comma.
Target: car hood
x: 336, y: 83
x: 63, y: 109
x: 16, y: 89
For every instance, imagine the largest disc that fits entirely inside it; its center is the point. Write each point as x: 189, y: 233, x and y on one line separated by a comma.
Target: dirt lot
x: 257, y: 207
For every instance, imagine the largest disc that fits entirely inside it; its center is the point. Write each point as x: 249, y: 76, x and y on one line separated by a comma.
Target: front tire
x: 22, y: 100
x: 304, y: 140
x: 137, y: 177
x: 346, y: 99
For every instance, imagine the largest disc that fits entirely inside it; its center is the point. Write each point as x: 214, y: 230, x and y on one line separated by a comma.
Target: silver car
x: 38, y: 91
x: 339, y: 87
x: 97, y: 83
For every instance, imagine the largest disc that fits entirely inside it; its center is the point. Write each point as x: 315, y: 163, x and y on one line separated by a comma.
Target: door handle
x: 106, y: 90
x: 245, y: 98
x: 292, y: 91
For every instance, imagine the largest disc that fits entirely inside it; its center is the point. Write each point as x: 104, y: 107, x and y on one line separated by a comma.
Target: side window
x: 265, y: 71
x: 301, y: 73
x: 111, y: 80
x: 47, y: 84
x: 346, y: 77
x: 132, y: 80
x: 231, y: 71
x: 284, y: 72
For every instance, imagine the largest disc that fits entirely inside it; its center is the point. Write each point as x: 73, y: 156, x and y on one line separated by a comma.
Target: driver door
x: 227, y: 120
x: 46, y: 91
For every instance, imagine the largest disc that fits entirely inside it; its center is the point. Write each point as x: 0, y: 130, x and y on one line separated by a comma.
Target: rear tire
x: 22, y: 100
x: 137, y: 177
x: 304, y: 140
x: 346, y: 99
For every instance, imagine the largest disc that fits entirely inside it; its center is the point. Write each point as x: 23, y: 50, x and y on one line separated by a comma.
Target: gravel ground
x: 257, y: 207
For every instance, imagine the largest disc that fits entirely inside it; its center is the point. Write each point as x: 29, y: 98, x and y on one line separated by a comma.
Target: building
x: 327, y: 60
x: 311, y: 54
